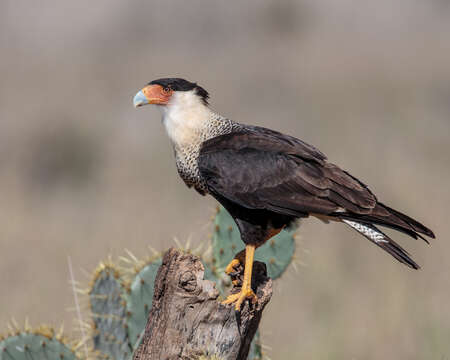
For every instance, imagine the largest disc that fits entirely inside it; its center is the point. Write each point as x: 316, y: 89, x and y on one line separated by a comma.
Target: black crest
x: 178, y: 84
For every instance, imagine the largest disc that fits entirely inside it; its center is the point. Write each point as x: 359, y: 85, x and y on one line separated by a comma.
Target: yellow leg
x: 246, y: 290
x: 240, y: 257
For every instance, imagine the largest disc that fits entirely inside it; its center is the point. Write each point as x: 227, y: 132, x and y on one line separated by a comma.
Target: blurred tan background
x: 82, y: 173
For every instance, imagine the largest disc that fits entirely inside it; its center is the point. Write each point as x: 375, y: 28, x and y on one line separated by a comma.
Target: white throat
x: 185, y: 118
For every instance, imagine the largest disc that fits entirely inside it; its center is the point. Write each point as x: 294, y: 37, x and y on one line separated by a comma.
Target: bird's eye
x: 166, y: 90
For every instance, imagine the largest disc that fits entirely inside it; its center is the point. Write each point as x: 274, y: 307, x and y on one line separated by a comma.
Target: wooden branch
x: 187, y: 320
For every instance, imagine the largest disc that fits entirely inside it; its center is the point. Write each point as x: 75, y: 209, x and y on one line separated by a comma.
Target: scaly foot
x: 246, y: 289
x: 240, y: 297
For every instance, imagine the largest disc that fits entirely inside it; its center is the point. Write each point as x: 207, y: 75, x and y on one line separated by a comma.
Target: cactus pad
x: 277, y: 253
x: 139, y: 298
x: 24, y: 345
x: 109, y: 313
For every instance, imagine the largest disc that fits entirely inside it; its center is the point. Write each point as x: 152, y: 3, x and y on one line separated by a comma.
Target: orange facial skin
x: 156, y: 94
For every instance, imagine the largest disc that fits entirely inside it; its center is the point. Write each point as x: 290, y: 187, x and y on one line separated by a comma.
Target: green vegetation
x: 120, y: 298
x: 43, y: 343
x: 139, y: 298
x: 108, y: 308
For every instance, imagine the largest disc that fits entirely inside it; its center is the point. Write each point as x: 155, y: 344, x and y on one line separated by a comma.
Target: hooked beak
x: 140, y: 99
x: 152, y: 94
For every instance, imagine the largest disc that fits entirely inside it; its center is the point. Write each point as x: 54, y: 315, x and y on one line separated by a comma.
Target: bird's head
x: 166, y: 91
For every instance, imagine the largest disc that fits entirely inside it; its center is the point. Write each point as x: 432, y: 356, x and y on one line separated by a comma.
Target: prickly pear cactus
x: 139, y: 298
x: 42, y: 344
x: 108, y: 308
x: 120, y: 304
x: 276, y: 253
x: 121, y: 300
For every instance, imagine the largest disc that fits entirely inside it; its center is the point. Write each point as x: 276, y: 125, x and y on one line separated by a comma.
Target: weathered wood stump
x: 187, y: 320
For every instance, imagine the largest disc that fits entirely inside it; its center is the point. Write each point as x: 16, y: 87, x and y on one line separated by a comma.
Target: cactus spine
x: 106, y: 297
x: 43, y: 343
x: 139, y: 298
x: 120, y: 299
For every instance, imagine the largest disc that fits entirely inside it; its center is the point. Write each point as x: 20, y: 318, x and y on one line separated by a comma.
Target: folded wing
x: 258, y: 168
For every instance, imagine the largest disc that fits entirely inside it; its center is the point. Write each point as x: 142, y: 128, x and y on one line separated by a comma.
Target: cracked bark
x: 188, y: 321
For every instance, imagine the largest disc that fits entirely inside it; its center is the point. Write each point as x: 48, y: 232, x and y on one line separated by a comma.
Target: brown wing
x: 262, y: 169
x: 258, y: 168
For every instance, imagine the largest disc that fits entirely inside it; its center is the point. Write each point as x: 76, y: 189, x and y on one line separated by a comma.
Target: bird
x: 266, y: 180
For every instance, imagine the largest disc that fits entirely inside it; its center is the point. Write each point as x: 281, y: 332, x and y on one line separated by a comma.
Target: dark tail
x: 410, y: 222
x: 385, y: 216
x: 380, y: 239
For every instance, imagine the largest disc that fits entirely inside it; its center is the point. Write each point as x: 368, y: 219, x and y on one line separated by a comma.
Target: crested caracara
x: 265, y: 179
